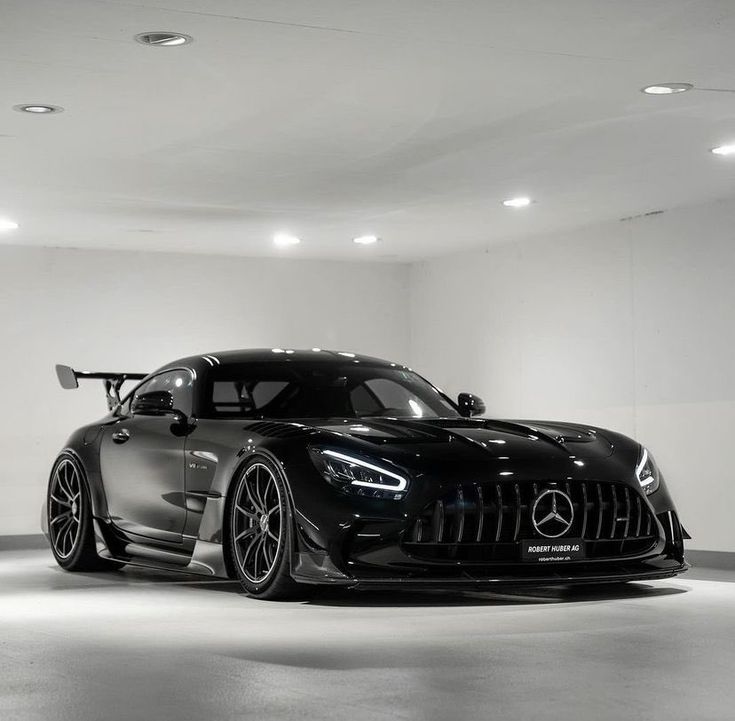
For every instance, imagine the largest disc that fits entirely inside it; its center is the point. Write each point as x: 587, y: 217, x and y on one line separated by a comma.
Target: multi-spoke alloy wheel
x: 65, y: 508
x: 259, y: 531
x: 70, y: 525
x: 257, y: 523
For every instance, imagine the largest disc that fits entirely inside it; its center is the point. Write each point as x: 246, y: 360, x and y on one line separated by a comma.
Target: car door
x: 142, y: 463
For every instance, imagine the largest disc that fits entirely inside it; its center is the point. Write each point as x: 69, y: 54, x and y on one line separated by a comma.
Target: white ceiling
x: 409, y: 119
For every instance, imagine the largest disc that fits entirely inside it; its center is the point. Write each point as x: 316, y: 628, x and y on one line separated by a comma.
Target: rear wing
x: 69, y: 379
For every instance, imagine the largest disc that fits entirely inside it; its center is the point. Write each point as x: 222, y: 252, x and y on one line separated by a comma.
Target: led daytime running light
x: 402, y: 482
x: 639, y: 469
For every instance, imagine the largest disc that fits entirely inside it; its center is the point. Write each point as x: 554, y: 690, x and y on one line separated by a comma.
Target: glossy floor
x: 143, y: 645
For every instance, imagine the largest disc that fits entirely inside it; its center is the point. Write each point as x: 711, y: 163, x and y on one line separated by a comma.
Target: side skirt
x: 206, y: 560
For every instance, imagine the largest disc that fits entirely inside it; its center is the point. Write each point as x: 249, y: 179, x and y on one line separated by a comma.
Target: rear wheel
x: 260, y: 530
x: 70, y: 519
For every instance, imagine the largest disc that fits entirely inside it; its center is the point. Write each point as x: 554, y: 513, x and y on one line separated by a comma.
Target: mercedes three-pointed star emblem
x: 552, y: 513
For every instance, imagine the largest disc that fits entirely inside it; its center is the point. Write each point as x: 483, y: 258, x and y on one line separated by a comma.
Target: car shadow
x: 506, y: 596
x: 394, y: 597
x: 401, y: 597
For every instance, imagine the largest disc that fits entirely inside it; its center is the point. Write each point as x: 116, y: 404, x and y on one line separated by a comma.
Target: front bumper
x: 365, y: 550
x: 468, y: 533
x: 618, y: 575
x: 317, y: 568
x: 313, y: 568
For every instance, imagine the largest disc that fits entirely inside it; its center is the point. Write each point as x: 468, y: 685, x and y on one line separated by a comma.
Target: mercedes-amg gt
x: 280, y: 468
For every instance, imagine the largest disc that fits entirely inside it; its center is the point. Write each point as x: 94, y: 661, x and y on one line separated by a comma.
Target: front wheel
x: 69, y: 517
x: 260, y: 532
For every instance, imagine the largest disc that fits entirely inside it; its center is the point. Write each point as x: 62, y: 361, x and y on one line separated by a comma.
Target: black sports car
x: 281, y: 467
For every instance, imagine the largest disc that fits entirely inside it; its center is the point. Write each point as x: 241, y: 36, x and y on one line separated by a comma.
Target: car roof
x: 275, y: 355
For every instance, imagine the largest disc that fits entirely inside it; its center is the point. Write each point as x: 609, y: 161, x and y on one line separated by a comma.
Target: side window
x: 179, y: 383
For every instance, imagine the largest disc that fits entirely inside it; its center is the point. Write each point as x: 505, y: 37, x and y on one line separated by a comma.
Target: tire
x: 69, y: 516
x: 260, y: 531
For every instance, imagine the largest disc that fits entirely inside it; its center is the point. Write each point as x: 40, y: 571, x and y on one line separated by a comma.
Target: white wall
x: 630, y: 325
x: 132, y: 311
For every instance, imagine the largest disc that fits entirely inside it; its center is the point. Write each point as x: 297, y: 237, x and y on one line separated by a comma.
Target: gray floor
x: 143, y: 645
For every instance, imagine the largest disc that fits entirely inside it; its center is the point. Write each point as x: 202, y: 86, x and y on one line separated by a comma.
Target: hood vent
x: 275, y: 429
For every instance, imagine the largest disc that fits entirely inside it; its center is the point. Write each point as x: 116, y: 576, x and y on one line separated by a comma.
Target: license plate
x: 551, y: 550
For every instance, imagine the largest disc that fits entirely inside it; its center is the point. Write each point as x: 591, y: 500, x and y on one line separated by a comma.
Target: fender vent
x: 275, y: 429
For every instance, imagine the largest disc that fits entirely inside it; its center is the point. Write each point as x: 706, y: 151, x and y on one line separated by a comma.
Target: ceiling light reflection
x: 521, y: 202
x: 7, y: 224
x: 416, y: 408
x: 162, y: 39
x: 38, y: 109
x: 285, y: 239
x: 724, y: 149
x: 666, y: 88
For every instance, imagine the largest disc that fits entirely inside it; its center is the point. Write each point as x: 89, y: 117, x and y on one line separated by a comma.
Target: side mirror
x: 155, y: 403
x: 470, y: 405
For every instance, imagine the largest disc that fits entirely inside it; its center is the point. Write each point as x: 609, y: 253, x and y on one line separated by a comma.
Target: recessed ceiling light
x: 724, y: 149
x: 6, y: 224
x: 162, y: 39
x: 365, y: 239
x: 284, y: 239
x: 517, y: 202
x: 666, y: 88
x: 38, y: 109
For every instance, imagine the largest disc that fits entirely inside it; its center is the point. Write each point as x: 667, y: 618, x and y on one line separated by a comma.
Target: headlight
x: 647, y: 473
x: 357, y: 475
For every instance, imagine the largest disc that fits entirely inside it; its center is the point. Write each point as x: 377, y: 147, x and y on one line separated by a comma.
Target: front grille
x: 484, y: 523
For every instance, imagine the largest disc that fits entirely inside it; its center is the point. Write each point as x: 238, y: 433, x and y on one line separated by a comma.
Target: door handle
x: 121, y: 436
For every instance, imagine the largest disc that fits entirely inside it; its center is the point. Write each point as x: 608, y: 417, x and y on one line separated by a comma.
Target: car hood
x: 499, y: 438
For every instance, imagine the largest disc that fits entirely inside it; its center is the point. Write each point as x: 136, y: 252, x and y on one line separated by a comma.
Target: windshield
x: 294, y: 390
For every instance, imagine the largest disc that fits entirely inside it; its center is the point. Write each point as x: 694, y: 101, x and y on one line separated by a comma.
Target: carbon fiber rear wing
x: 69, y: 379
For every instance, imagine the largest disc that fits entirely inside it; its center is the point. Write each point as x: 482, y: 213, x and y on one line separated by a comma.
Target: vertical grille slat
x: 518, y: 512
x: 480, y: 513
x: 439, y: 522
x: 639, y: 515
x: 599, y: 512
x: 459, y: 512
x: 627, y: 513
x: 499, y: 496
x: 614, y: 515
x: 584, y: 510
x: 568, y: 491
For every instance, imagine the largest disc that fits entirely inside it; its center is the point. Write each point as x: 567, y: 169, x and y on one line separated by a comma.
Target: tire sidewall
x: 282, y: 570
